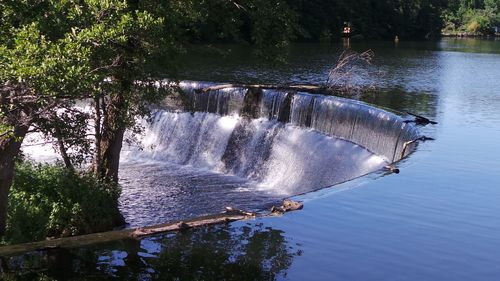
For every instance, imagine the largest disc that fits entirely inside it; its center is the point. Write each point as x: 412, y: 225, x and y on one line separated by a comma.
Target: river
x: 439, y: 219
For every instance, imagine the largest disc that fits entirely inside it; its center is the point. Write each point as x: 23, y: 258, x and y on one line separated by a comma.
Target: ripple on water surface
x: 157, y: 192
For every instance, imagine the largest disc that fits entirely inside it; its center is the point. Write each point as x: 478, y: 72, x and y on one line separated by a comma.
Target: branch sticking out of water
x: 420, y: 120
x: 392, y: 169
x: 406, y: 144
x: 353, y: 72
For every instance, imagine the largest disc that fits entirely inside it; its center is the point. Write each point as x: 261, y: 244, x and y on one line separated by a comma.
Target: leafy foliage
x: 28, y: 277
x: 472, y: 17
x: 51, y: 201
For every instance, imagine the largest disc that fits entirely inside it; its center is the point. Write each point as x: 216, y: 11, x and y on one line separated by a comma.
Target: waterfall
x: 278, y: 158
x: 379, y: 131
x: 247, y: 148
x: 274, y: 105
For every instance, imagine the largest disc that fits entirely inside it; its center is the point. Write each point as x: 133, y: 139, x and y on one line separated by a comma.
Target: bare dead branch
x: 239, y: 6
x: 352, y: 71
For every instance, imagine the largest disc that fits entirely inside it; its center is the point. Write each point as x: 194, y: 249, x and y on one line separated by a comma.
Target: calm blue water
x: 439, y: 219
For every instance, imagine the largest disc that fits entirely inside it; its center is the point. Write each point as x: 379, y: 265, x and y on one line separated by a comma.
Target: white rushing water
x: 282, y: 159
x: 193, y: 163
x: 379, y: 131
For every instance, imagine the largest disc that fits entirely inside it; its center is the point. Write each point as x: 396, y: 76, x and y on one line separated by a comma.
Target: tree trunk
x: 9, y: 150
x: 62, y: 148
x: 97, y: 167
x: 113, y: 130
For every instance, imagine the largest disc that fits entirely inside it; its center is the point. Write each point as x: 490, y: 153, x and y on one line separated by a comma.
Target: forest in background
x: 276, y: 21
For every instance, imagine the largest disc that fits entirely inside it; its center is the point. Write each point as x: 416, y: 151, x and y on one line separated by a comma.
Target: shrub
x: 52, y: 201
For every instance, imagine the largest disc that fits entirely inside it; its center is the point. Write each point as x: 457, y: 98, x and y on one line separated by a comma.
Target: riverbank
x: 470, y: 35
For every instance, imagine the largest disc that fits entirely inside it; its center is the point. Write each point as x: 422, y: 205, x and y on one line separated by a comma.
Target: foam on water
x: 282, y: 157
x: 195, y: 163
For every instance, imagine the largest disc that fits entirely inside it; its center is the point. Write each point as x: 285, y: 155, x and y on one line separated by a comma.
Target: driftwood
x: 308, y: 88
x: 230, y: 215
x: 406, y: 144
x: 420, y: 120
x: 288, y: 206
x: 392, y: 169
x: 233, y: 211
x: 142, y: 232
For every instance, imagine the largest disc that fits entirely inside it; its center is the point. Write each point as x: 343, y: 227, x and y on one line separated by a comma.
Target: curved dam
x: 249, y: 148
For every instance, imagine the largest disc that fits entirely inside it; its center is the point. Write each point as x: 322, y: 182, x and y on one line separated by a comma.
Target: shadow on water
x: 212, y: 253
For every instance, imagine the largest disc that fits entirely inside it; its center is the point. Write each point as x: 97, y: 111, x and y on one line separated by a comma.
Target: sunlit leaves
x: 474, y: 17
x: 48, y: 68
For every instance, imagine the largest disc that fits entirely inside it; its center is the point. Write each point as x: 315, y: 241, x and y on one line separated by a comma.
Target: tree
x: 36, y: 74
x: 54, y: 53
x: 96, y: 50
x: 473, y: 16
x: 120, y: 44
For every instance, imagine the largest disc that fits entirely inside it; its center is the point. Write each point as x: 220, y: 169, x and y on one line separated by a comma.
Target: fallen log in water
x: 147, y: 231
x: 305, y: 88
x: 230, y: 215
x: 103, y: 237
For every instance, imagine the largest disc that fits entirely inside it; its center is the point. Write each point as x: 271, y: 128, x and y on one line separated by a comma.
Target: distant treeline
x: 275, y: 22
x: 472, y: 17
x: 370, y: 19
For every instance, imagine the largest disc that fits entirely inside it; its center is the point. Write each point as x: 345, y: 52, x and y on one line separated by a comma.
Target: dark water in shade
x: 246, y: 252
x: 439, y: 219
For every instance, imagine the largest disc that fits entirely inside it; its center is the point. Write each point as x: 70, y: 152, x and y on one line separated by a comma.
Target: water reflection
x: 471, y: 86
x: 409, y: 66
x: 241, y: 252
x: 423, y: 103
x: 468, y: 45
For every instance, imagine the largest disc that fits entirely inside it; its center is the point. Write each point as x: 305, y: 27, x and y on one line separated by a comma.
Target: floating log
x: 230, y: 215
x: 148, y: 231
x: 233, y: 211
x: 103, y: 237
